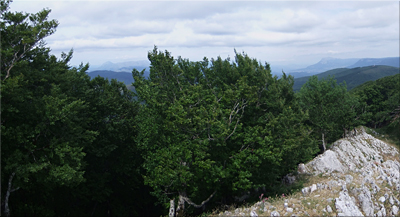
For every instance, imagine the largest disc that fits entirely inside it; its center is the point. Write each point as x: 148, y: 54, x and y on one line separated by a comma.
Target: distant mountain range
x: 122, y: 66
x: 120, y: 76
x: 326, y: 64
x: 353, y: 77
x: 353, y: 71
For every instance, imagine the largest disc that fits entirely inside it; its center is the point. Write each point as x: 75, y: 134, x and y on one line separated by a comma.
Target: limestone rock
x: 349, y: 179
x: 302, y: 169
x: 391, y: 201
x: 313, y: 188
x: 345, y: 205
x: 275, y: 213
x: 329, y: 209
x: 395, y: 210
x: 365, y: 200
x: 383, y: 210
x: 327, y: 162
x: 355, y: 170
x: 305, y: 191
x: 253, y: 214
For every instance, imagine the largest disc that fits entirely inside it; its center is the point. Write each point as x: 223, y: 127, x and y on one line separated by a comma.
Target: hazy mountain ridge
x: 122, y: 66
x: 353, y: 77
x: 326, y: 64
x: 389, y: 61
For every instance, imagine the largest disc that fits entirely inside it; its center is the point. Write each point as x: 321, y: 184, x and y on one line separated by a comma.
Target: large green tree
x: 68, y: 142
x: 379, y: 99
x: 332, y: 110
x: 43, y: 123
x: 211, y: 129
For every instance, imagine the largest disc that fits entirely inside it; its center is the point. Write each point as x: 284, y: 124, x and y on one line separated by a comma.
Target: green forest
x: 194, y: 136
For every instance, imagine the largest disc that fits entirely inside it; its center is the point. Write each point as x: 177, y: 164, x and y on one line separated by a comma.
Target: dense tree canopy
x: 332, y: 110
x: 67, y: 141
x: 216, y: 127
x: 380, y: 99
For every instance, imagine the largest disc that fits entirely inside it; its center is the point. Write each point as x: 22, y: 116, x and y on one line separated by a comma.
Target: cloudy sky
x: 282, y: 33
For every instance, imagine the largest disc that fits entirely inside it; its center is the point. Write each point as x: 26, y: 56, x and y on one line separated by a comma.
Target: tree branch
x: 195, y: 205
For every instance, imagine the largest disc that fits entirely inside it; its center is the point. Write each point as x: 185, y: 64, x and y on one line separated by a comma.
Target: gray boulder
x: 395, y: 210
x: 275, y: 213
x: 329, y: 209
x: 345, y: 205
x: 366, y: 203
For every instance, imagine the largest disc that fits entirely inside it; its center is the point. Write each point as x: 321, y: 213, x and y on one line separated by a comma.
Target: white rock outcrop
x: 345, y: 205
x: 361, y: 175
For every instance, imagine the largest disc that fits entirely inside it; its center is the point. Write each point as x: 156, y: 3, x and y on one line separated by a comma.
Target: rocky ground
x: 358, y: 176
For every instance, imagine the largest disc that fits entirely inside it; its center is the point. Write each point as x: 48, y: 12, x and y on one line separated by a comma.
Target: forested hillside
x: 353, y: 77
x: 381, y: 103
x: 193, y: 136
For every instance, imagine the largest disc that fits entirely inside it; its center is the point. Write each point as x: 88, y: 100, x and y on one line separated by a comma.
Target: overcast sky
x: 295, y: 32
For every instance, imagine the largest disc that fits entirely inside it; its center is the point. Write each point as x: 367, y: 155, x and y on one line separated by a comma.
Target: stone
x: 305, y: 191
x: 395, y: 210
x: 362, y: 155
x: 345, y: 206
x: 349, y: 179
x: 253, y: 214
x: 391, y: 201
x: 383, y: 210
x: 386, y: 196
x: 275, y: 213
x: 375, y: 188
x: 313, y: 188
x: 227, y: 213
x: 327, y: 162
x: 302, y: 169
x: 366, y: 203
x: 329, y: 209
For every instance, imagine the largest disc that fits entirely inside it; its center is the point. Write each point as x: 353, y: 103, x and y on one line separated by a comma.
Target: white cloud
x: 295, y: 30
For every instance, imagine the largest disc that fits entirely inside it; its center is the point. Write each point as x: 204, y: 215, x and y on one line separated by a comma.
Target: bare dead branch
x: 195, y: 205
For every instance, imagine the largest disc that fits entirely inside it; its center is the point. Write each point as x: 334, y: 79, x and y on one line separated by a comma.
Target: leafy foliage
x: 67, y: 141
x: 332, y: 110
x: 212, y: 127
x: 380, y: 101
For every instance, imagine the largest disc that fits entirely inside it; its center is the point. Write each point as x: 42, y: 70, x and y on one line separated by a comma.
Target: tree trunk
x: 9, y: 190
x: 172, y: 208
x: 181, y: 205
x: 323, y: 142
